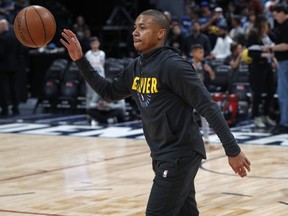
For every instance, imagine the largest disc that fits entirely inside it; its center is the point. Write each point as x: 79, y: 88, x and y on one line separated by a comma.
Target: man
x: 223, y: 42
x: 10, y: 59
x: 280, y: 14
x: 166, y: 90
x: 197, y: 37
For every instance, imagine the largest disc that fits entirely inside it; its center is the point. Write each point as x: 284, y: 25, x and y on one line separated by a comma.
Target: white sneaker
x: 267, y: 120
x: 259, y: 122
x: 94, y: 123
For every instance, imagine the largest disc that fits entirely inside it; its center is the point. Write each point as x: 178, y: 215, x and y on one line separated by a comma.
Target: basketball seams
x: 43, y: 26
x: 27, y: 27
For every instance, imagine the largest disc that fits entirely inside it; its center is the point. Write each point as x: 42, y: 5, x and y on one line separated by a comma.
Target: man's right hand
x: 240, y: 164
x: 72, y: 44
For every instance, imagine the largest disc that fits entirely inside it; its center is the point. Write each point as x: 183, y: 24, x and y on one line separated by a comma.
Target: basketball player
x: 166, y: 89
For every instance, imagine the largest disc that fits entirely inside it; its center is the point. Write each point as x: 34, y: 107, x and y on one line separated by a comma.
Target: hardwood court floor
x: 76, y: 176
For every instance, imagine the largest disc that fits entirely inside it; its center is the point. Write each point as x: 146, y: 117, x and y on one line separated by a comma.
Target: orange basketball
x: 34, y: 26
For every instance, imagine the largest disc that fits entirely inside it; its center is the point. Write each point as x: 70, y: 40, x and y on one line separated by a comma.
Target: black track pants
x: 173, y: 191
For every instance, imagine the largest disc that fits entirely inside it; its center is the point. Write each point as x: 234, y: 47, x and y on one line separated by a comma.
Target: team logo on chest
x: 145, y: 86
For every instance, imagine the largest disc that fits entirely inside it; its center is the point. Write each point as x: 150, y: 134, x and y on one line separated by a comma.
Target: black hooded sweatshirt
x: 166, y: 89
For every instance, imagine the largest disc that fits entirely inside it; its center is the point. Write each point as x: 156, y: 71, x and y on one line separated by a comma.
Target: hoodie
x: 166, y: 89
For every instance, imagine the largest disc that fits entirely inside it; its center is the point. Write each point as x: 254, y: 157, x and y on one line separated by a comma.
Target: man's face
x: 279, y: 16
x: 95, y: 45
x: 196, y: 27
x: 147, y: 34
x: 198, y: 54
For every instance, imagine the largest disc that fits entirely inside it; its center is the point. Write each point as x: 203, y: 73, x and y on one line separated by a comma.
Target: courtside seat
x: 222, y: 80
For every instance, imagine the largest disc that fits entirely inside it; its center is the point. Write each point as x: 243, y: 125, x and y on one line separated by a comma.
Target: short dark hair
x: 233, y: 46
x: 196, y: 46
x: 158, y: 16
x: 94, y: 38
x: 280, y: 8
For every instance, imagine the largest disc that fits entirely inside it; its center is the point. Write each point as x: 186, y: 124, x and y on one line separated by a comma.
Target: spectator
x: 280, y: 14
x: 268, y: 7
x: 237, y: 32
x: 197, y: 37
x: 211, y: 27
x: 254, y: 6
x: 10, y: 58
x: 86, y: 40
x: 261, y: 73
x: 186, y: 24
x: 248, y: 25
x: 95, y: 56
x: 205, y: 13
x: 230, y: 12
x: 7, y: 8
x: 202, y: 69
x: 177, y: 37
x: 235, y: 58
x: 222, y: 47
x: 79, y: 26
x: 96, y: 108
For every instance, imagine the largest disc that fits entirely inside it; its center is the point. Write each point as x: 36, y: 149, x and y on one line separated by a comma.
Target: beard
x: 222, y: 35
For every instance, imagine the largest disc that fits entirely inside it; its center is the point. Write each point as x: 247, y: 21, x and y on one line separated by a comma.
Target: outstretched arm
x: 109, y: 91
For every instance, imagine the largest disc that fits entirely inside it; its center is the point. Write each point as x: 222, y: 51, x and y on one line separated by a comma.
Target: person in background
x: 177, y: 37
x: 79, y: 26
x: 235, y: 58
x: 96, y: 56
x: 254, y: 5
x: 85, y: 41
x: 166, y: 89
x: 202, y: 69
x: 230, y: 12
x: 237, y: 32
x: 197, y: 37
x: 280, y: 14
x: 261, y: 73
x: 10, y: 58
x: 222, y: 47
x: 248, y: 25
x: 97, y: 109
x: 7, y: 8
x: 210, y: 28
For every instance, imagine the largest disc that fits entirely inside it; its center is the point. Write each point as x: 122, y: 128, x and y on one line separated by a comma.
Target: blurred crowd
x: 234, y: 33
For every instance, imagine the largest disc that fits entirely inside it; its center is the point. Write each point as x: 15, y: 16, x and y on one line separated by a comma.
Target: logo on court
x: 165, y: 173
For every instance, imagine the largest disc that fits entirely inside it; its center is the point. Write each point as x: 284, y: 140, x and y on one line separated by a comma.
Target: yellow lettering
x: 145, y: 85
x: 154, y: 85
x: 142, y: 84
x: 134, y: 86
x: 148, y: 85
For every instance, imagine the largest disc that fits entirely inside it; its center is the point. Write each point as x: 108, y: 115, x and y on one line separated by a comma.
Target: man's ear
x: 161, y: 34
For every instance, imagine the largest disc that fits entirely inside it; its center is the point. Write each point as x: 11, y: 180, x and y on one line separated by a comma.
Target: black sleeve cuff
x: 232, y: 150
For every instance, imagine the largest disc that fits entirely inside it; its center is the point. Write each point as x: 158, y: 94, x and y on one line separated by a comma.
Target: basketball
x: 34, y: 26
